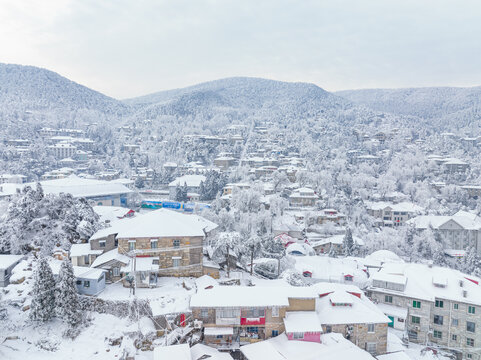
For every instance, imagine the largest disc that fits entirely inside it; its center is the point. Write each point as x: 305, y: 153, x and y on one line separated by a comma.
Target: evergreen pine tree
x: 348, y: 243
x: 67, y: 299
x: 178, y: 193
x: 184, y: 193
x: 42, y: 307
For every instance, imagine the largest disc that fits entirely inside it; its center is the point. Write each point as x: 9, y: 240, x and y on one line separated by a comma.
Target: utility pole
x: 252, y: 258
x: 227, y: 260
x: 135, y: 274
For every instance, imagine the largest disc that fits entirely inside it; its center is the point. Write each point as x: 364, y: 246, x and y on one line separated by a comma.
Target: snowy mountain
x: 249, y: 95
x: 445, y: 104
x: 33, y: 89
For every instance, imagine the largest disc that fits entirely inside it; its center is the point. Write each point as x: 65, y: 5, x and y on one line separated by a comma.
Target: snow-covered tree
x: 68, y: 308
x: 348, y: 243
x: 42, y: 307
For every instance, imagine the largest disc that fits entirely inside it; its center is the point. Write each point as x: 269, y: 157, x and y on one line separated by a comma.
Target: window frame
x: 438, y: 319
x: 473, y: 324
x: 371, y: 328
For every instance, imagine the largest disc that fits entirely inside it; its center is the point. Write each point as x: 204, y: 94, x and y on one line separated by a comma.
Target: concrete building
x: 456, y: 232
x: 392, y: 215
x: 237, y: 315
x: 303, y: 197
x: 443, y: 305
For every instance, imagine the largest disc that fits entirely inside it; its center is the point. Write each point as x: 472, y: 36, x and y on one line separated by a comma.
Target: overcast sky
x: 130, y: 48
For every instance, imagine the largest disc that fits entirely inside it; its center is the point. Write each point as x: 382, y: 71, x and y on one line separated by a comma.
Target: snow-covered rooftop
x: 360, y: 310
x: 177, y: 352
x: 420, y: 285
x: 302, y: 321
x: 82, y: 250
x: 111, y: 213
x: 249, y: 296
x: 190, y: 180
x: 332, y: 346
x: 109, y: 256
x: 80, y: 187
x: 8, y: 260
x: 201, y: 352
x: 401, y: 207
x: 158, y: 223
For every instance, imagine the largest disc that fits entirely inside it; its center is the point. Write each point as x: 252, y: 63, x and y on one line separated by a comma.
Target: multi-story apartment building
x: 443, y: 305
x: 303, y: 197
x: 165, y: 243
x: 159, y: 243
x: 63, y: 150
x: 392, y: 215
x: 234, y: 316
x: 456, y: 232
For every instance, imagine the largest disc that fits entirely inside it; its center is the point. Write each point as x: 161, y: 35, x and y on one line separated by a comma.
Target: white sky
x: 131, y: 48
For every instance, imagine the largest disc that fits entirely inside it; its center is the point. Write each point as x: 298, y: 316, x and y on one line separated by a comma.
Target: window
x: 413, y: 335
x: 416, y: 304
x: 298, y: 335
x: 275, y: 311
x: 415, y: 319
x: 469, y: 356
x: 100, y: 278
x: 102, y: 243
x: 132, y: 245
x: 204, y: 313
x: 437, y: 334
x: 438, y: 319
x: 219, y: 336
x: 469, y: 341
x: 153, y: 244
x: 86, y: 283
x: 471, y: 310
x: 79, y: 282
x: 86, y: 260
x: 328, y: 329
x: 175, y: 262
x: 370, y: 328
x: 454, y: 337
x: 439, y: 303
x: 275, y: 333
x: 371, y: 348
x: 388, y: 299
x: 454, y: 322
x: 176, y: 243
x: 116, y: 271
x: 455, y: 306
x: 252, y: 329
x: 470, y: 326
x: 116, y: 242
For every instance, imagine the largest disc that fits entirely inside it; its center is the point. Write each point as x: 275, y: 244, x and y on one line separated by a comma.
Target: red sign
x: 253, y: 321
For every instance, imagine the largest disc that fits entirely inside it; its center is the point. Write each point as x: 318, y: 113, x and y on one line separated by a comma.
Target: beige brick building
x: 236, y: 315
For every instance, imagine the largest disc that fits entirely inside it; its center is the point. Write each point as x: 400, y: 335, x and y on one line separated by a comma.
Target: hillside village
x: 249, y: 245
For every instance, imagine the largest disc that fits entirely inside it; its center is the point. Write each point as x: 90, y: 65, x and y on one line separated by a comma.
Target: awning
x: 214, y: 331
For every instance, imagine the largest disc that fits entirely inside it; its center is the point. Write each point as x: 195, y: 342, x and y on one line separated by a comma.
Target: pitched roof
x: 158, y: 223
